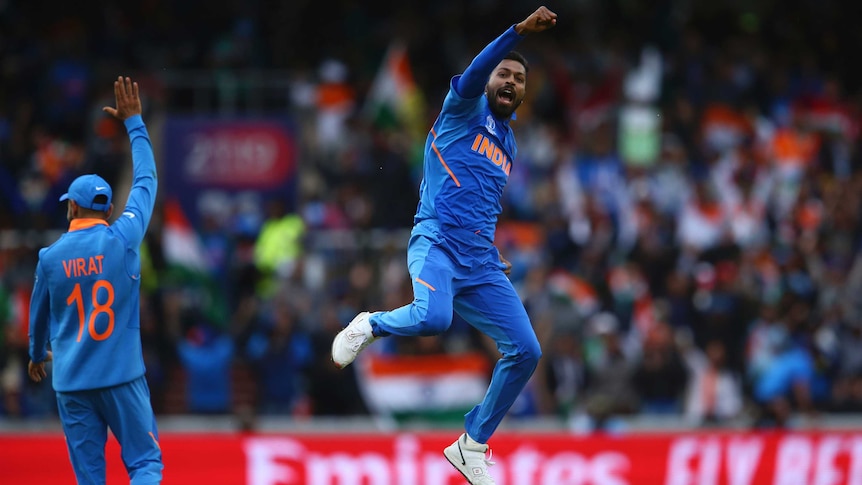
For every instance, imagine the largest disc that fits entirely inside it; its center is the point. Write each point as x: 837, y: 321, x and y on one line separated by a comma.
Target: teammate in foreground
x: 452, y: 259
x: 86, y: 300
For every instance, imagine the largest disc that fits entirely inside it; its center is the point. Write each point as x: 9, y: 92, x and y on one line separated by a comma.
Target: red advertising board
x: 809, y: 458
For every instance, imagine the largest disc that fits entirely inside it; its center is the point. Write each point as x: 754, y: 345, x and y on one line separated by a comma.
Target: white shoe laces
x: 356, y: 343
x: 488, y: 461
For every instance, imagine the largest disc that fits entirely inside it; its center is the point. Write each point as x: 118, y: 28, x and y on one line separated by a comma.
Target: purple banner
x: 228, y: 165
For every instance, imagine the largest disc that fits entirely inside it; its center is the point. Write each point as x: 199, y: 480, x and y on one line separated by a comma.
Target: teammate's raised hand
x: 128, y: 99
x: 538, y: 21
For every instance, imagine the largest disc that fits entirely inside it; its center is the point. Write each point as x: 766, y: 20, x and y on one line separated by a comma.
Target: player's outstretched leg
x: 350, y: 341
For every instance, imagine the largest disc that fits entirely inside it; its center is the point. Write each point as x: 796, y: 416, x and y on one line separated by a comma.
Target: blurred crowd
x: 682, y: 217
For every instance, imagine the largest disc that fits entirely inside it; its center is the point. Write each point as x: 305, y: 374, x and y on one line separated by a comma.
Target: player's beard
x: 499, y: 110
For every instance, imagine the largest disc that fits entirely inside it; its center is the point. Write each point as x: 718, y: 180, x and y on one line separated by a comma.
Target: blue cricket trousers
x: 456, y: 270
x: 126, y: 409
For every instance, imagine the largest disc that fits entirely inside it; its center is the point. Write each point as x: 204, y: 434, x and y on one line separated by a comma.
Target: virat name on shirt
x: 78, y: 267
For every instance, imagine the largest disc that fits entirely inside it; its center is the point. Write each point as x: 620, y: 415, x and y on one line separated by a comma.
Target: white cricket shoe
x: 350, y: 341
x: 468, y: 457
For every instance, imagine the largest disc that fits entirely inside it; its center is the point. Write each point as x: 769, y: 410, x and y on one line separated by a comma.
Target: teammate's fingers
x: 121, y: 88
x: 135, y: 92
x: 116, y: 90
x: 128, y: 86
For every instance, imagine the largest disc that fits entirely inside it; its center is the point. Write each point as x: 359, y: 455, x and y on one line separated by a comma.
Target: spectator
x: 609, y: 392
x: 565, y: 373
x: 660, y: 377
x: 715, y: 393
x: 703, y: 224
x: 206, y: 353
x: 279, y: 244
x: 280, y: 352
x: 786, y: 383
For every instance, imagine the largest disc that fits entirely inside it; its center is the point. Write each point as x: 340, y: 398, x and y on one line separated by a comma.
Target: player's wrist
x: 133, y: 122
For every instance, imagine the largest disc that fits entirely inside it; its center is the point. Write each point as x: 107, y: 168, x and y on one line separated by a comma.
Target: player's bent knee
x: 432, y: 321
x: 435, y: 324
x: 530, y: 353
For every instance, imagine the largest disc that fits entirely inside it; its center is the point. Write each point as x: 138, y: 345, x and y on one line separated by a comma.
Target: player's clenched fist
x: 541, y: 19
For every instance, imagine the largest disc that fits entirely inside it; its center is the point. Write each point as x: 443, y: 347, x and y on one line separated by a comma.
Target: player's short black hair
x: 517, y: 56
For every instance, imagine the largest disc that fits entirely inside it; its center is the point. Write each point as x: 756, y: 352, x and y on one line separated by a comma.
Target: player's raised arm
x: 471, y: 83
x: 136, y: 215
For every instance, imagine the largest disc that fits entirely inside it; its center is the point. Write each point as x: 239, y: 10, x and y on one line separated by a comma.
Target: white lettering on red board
x: 799, y: 460
x: 284, y: 461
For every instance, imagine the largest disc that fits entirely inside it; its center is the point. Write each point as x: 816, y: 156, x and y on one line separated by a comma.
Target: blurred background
x: 683, y: 216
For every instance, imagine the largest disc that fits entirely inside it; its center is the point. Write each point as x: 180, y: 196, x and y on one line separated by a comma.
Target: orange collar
x: 78, y: 224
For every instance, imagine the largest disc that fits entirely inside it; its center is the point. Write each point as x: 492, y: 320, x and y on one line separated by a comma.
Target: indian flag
x: 186, y: 258
x: 431, y: 386
x: 395, y: 98
x: 182, y: 246
x: 575, y: 290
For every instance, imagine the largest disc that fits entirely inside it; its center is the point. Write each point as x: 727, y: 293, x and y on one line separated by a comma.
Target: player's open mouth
x: 505, y: 95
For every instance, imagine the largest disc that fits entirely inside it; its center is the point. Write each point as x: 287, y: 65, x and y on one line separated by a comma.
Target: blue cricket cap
x: 91, y: 192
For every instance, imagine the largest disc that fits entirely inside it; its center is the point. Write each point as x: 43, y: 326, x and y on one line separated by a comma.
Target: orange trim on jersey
x: 440, y: 157
x: 155, y: 440
x: 423, y: 282
x: 78, y: 224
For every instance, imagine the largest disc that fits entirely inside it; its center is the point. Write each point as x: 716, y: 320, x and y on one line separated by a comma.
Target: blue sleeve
x: 40, y: 310
x: 471, y: 84
x: 135, y: 218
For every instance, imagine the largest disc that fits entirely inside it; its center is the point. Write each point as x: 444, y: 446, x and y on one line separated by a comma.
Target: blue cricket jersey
x: 469, y: 152
x: 86, y: 297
